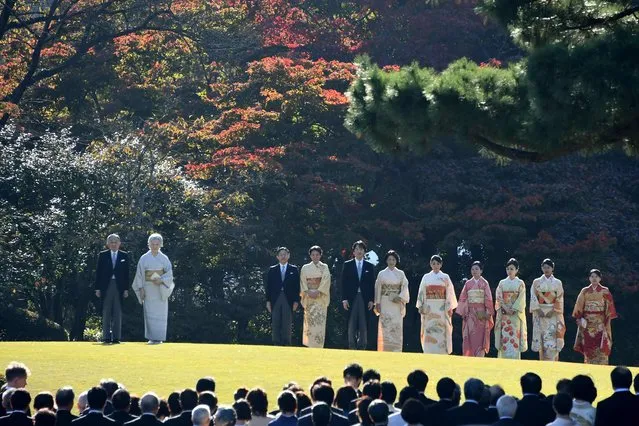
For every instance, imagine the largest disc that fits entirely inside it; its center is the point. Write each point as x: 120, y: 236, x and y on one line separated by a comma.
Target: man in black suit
x: 64, y: 400
x: 419, y: 380
x: 282, y: 296
x: 358, y: 295
x: 470, y: 412
x: 496, y: 392
x: 507, y: 408
x: 111, y: 286
x: 121, y: 400
x: 20, y: 400
x: 97, y: 398
x: 436, y: 413
x: 532, y: 408
x: 188, y: 401
x: 323, y: 393
x: 621, y: 407
x: 149, y: 405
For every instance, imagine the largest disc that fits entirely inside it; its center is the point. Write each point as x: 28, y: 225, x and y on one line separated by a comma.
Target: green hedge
x: 21, y: 324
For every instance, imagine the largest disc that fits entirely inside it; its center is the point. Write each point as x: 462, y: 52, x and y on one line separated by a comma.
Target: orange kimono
x: 594, y: 310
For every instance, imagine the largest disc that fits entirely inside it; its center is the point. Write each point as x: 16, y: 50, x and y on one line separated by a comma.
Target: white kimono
x: 156, y: 297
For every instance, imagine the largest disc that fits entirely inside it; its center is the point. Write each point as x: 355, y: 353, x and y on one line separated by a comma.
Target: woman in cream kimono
x: 511, y: 332
x: 435, y: 302
x: 315, y: 287
x: 153, y: 284
x: 476, y: 308
x: 547, y: 309
x: 391, y: 297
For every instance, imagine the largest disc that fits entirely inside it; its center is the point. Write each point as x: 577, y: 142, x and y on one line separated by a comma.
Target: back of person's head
x: 323, y: 392
x: 371, y: 374
x: 205, y: 384
x: 353, y: 370
x: 149, y: 403
x: 97, y: 398
x: 407, y: 393
x: 621, y: 377
x: 240, y: 393
x: 174, y: 403
x: 389, y: 392
x: 43, y: 400
x: 64, y: 398
x: 321, y: 414
x: 413, y: 412
x: 564, y: 386
x: 20, y: 400
x: 457, y: 394
x: 496, y: 392
x: 530, y: 383
x: 378, y: 411
x: 344, y: 396
x: 110, y: 386
x: 506, y: 406
x: 134, y: 408
x: 209, y: 398
x: 121, y: 400
x: 372, y: 389
x: 16, y: 371
x: 583, y: 388
x: 418, y: 379
x: 287, y: 402
x: 6, y: 399
x: 484, y: 401
x: 258, y: 401
x: 83, y: 401
x: 473, y: 389
x: 362, y: 411
x: 163, y: 410
x: 562, y: 404
x: 225, y: 416
x: 636, y: 383
x: 201, y: 415
x: 303, y: 401
x: 445, y: 388
x: 188, y: 400
x: 243, y: 410
x: 320, y: 380
x: 44, y: 417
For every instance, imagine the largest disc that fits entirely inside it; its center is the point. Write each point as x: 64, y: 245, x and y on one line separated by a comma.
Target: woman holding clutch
x: 153, y: 284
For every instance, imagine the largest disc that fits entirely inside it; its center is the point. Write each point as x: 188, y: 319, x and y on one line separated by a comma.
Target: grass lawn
x: 173, y: 366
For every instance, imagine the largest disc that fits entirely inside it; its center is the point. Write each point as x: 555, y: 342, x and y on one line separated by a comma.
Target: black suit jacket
x: 291, y: 284
x: 351, y: 282
x: 506, y: 422
x: 336, y: 420
x: 619, y: 409
x: 145, y: 420
x: 533, y: 410
x: 467, y: 413
x: 425, y: 400
x: 16, y: 419
x: 309, y: 410
x: 184, y: 419
x: 93, y: 419
x: 64, y: 418
x: 121, y: 417
x: 105, y: 271
x: 435, y: 414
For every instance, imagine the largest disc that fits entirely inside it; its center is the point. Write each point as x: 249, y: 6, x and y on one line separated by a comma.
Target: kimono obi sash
x: 476, y: 296
x: 510, y: 297
x: 594, y: 307
x: 313, y: 283
x: 435, y: 292
x: 391, y: 289
x: 546, y: 297
x: 149, y: 273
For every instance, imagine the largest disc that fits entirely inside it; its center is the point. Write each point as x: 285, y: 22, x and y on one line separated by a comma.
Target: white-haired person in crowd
x: 149, y: 405
x: 153, y: 284
x: 201, y: 415
x: 507, y: 408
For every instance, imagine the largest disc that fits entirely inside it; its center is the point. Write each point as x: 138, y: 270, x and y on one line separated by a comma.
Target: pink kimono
x: 476, y: 308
